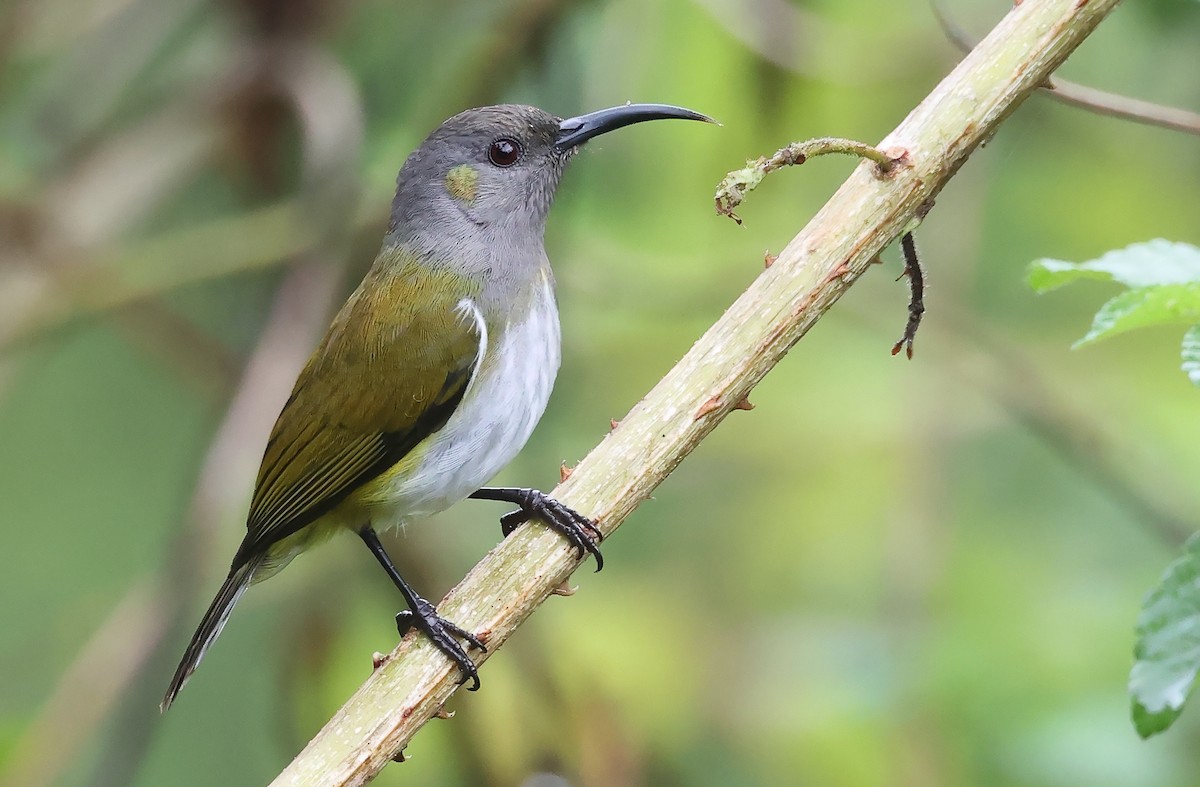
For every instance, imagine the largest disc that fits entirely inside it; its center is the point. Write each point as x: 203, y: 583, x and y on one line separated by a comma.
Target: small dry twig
x: 916, y: 301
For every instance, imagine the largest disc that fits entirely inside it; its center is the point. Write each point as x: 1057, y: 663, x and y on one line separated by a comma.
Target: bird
x: 434, y: 373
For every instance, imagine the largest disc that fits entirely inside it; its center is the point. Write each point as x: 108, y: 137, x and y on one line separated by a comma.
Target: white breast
x: 502, y: 405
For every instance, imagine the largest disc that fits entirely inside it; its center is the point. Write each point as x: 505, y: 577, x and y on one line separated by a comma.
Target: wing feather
x: 394, y: 366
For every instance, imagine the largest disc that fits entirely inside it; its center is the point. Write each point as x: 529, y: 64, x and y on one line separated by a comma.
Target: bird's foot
x: 442, y: 632
x: 574, y: 526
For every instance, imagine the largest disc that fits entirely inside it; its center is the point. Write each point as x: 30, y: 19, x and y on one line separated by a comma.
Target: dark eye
x: 504, y: 152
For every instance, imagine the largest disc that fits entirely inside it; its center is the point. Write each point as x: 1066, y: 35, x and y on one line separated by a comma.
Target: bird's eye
x: 504, y: 152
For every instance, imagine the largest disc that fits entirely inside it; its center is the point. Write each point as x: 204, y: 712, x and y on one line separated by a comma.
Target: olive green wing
x: 391, y: 371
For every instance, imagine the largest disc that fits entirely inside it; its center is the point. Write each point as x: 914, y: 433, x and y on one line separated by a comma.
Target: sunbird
x: 436, y: 370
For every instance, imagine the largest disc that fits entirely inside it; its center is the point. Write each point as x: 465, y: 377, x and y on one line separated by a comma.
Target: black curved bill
x: 577, y: 130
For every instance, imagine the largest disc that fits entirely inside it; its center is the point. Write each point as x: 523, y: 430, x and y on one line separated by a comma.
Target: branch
x: 866, y: 214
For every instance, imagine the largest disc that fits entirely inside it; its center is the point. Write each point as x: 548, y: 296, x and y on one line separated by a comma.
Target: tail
x: 210, y: 627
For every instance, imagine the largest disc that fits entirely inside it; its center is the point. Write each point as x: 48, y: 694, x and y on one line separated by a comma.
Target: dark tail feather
x: 210, y: 626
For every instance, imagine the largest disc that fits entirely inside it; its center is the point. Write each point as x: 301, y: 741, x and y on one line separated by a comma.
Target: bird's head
x: 499, y: 166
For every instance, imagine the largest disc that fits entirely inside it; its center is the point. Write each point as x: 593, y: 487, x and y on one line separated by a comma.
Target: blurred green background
x: 888, y: 573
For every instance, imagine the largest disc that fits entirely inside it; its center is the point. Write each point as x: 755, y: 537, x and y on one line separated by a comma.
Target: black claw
x: 512, y: 520
x: 424, y: 616
x: 442, y: 633
x: 580, y: 531
x: 404, y: 622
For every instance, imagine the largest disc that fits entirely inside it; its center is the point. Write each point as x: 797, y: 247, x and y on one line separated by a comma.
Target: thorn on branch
x: 897, y: 156
x: 565, y: 589
x: 841, y: 270
x: 769, y: 258
x: 713, y: 403
x: 740, y: 182
x: 613, y: 423
x: 379, y: 659
x: 564, y: 471
x: 916, y: 300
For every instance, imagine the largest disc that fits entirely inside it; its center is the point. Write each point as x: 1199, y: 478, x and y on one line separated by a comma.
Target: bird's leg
x: 578, y: 529
x: 423, y: 615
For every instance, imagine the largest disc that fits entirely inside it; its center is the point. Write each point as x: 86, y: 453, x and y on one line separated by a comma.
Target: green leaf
x: 1140, y: 265
x: 1167, y: 651
x: 1160, y: 305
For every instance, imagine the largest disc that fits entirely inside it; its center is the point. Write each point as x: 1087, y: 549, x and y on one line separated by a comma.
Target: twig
x: 916, y: 301
x: 813, y: 271
x: 1124, y: 107
x: 740, y: 182
x: 1100, y: 102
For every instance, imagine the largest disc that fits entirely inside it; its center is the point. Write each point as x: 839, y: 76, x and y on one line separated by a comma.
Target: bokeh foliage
x: 1164, y: 289
x: 887, y: 573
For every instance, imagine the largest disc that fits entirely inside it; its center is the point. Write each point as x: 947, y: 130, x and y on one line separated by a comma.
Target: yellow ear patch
x: 462, y: 182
